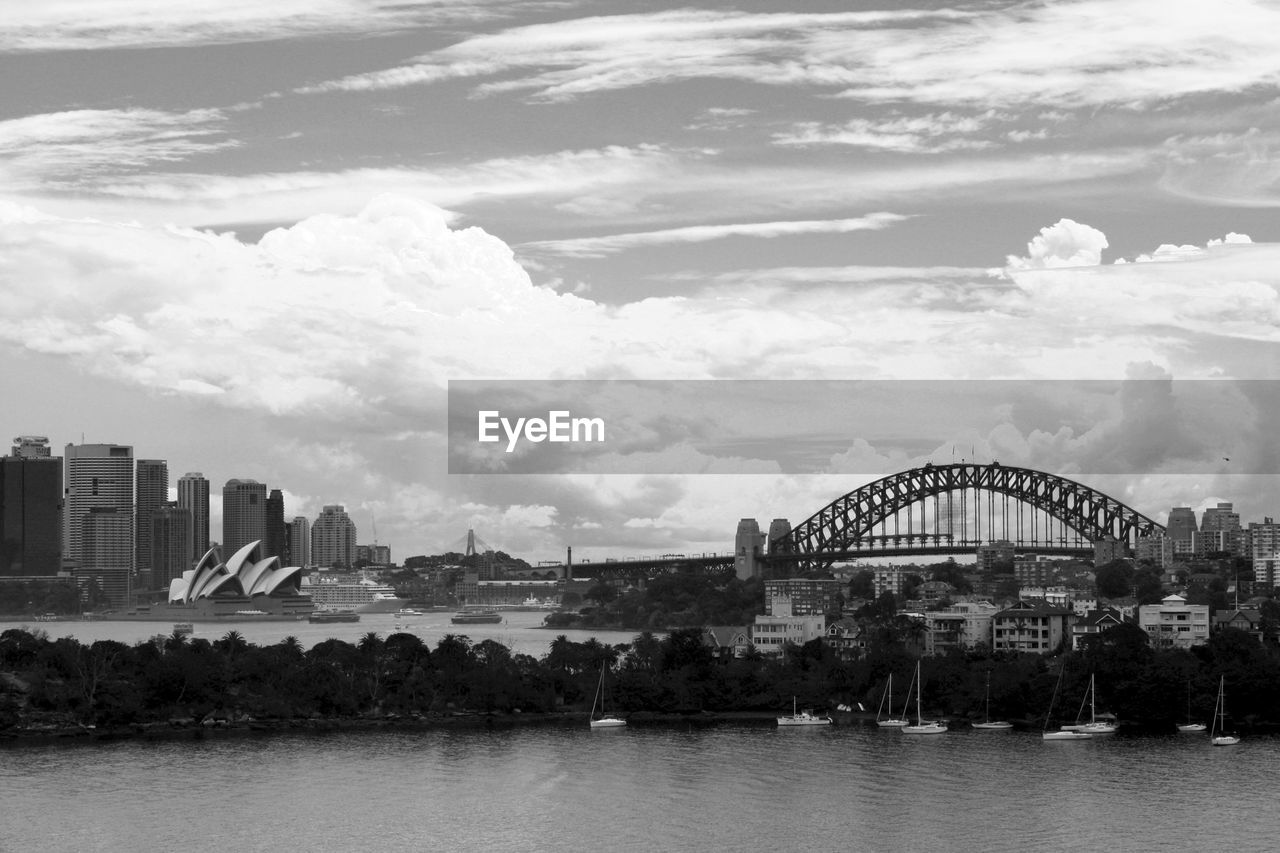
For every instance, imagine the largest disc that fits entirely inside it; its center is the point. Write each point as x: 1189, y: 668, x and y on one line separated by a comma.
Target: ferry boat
x: 183, y: 628
x: 476, y: 617
x: 326, y: 616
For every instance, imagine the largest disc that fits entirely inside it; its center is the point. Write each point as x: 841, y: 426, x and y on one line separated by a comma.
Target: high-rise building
x: 274, y: 542
x: 193, y: 495
x: 106, y: 538
x: 244, y: 515
x: 151, y: 493
x: 30, y: 509
x: 1182, y: 524
x: 98, y: 477
x: 300, y: 541
x: 333, y: 538
x: 1219, y: 530
x: 1264, y: 538
x: 170, y: 544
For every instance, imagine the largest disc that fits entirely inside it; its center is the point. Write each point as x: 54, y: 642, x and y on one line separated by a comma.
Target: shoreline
x: 177, y: 730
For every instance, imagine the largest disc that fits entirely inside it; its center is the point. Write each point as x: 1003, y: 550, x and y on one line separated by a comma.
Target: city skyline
x: 260, y: 242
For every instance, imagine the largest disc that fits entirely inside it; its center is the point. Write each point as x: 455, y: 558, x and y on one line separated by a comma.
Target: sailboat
x: 889, y: 722
x: 605, y: 720
x: 1220, y: 720
x: 1064, y: 733
x: 988, y: 724
x: 1095, y: 726
x: 803, y: 718
x: 1188, y: 726
x: 922, y: 726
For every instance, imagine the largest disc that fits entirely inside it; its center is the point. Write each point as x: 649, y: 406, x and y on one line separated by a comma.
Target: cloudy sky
x: 259, y: 239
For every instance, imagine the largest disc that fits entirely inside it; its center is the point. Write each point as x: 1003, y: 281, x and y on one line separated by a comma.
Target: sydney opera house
x: 246, y: 586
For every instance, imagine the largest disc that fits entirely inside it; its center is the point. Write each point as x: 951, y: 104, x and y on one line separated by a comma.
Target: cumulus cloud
x: 1066, y: 243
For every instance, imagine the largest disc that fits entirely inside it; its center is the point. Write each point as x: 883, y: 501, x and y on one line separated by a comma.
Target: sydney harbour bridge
x: 931, y: 510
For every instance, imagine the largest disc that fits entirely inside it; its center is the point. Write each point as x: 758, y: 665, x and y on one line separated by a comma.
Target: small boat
x: 605, y: 720
x: 889, y: 722
x: 1189, y: 727
x: 1097, y: 725
x: 409, y: 611
x: 922, y: 726
x: 1218, y: 736
x: 989, y: 724
x: 803, y: 718
x: 476, y: 617
x: 1063, y: 733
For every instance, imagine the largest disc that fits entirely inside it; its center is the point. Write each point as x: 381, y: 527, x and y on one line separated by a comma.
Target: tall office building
x: 333, y: 538
x: 152, y: 493
x: 244, y: 515
x: 98, y: 477
x: 275, y: 543
x: 300, y: 541
x: 193, y: 495
x: 170, y: 544
x: 1219, y: 530
x: 30, y: 509
x: 1182, y: 524
x: 106, y: 552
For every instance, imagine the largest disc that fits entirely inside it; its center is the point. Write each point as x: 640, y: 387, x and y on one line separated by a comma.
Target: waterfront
x: 521, y: 630
x: 726, y: 787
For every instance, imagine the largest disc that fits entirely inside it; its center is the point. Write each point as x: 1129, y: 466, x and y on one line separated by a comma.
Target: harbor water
x: 670, y: 787
x: 520, y: 630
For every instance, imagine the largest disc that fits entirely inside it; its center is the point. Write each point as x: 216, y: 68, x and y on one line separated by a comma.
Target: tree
x: 1114, y: 580
x: 1147, y: 586
x: 602, y: 593
x: 862, y: 585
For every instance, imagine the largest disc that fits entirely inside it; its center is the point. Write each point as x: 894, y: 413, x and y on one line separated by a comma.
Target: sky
x: 258, y: 240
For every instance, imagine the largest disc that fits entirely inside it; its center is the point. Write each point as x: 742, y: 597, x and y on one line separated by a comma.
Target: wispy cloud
x: 69, y: 147
x: 596, y: 247
x: 51, y: 25
x: 1068, y: 54
x: 933, y: 133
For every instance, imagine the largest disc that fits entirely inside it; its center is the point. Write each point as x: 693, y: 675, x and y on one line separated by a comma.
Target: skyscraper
x: 152, y: 492
x: 193, y: 495
x: 170, y: 544
x: 333, y: 537
x: 244, y: 515
x: 30, y: 509
x: 98, y: 476
x: 300, y: 541
x: 274, y: 543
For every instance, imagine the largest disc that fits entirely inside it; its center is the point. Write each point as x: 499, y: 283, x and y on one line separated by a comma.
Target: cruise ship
x: 362, y: 595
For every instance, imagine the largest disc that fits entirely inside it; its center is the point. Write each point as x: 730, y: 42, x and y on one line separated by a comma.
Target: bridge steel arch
x: 841, y: 526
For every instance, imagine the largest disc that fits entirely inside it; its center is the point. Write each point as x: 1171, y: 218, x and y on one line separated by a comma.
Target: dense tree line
x: 63, y: 682
x: 669, y: 601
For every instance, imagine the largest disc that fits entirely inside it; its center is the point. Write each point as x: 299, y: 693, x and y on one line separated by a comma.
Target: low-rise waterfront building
x: 1247, y: 620
x: 1030, y: 626
x: 770, y: 633
x: 1093, y: 623
x: 1175, y: 624
x: 728, y: 641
